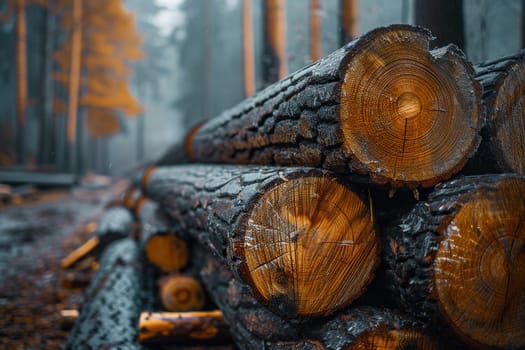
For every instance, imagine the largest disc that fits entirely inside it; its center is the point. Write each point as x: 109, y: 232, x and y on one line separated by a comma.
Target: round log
x: 460, y: 258
x: 302, y: 239
x: 384, y: 106
x: 162, y: 247
x: 181, y: 293
x: 503, y: 137
x: 372, y: 328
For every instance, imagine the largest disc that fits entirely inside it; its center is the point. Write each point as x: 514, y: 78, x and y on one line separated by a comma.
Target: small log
x: 383, y: 106
x: 68, y: 317
x: 460, y: 258
x: 179, y: 152
x: 108, y: 319
x: 162, y: 247
x: 115, y: 223
x: 252, y: 325
x: 183, y: 328
x: 503, y: 137
x: 371, y: 328
x: 300, y: 237
x: 181, y: 293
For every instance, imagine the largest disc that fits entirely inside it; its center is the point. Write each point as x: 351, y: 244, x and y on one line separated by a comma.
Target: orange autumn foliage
x: 110, y: 44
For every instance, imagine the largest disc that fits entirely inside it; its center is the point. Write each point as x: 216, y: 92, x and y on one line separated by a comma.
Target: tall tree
x: 315, y: 30
x: 21, y: 68
x: 348, y: 18
x: 275, y: 65
x: 248, y: 50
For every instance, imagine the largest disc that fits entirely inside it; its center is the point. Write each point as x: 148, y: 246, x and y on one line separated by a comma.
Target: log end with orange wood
x: 503, y: 145
x: 303, y: 239
x: 162, y: 247
x: 460, y: 258
x: 181, y: 293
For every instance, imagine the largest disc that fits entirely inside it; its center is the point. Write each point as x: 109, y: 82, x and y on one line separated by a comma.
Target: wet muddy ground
x: 34, y: 236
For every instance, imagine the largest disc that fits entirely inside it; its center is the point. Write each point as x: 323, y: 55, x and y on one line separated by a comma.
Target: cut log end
x: 409, y: 116
x: 181, y: 293
x: 309, y: 246
x: 485, y: 242
x: 168, y: 252
x: 508, y: 115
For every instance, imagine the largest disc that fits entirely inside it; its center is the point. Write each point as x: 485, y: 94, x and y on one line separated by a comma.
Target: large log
x: 503, y: 137
x: 383, y: 106
x: 162, y: 246
x: 460, y: 257
x: 116, y: 223
x: 108, y: 319
x: 300, y: 237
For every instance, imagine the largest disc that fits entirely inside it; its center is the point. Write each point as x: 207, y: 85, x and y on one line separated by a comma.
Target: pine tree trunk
x: 21, y: 54
x: 503, y: 137
x: 383, y: 106
x: 304, y: 240
x: 460, y: 257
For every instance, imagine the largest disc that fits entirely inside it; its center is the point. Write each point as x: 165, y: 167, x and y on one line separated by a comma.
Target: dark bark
x: 441, y: 254
x: 502, y: 149
x: 109, y: 317
x: 221, y: 206
x: 115, y: 223
x: 252, y: 325
x: 305, y: 119
x: 371, y: 328
x: 444, y: 19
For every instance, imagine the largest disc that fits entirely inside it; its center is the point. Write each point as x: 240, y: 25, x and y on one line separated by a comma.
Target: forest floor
x: 35, y: 235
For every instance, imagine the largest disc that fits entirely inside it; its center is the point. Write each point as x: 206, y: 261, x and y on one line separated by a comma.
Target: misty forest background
x: 106, y: 85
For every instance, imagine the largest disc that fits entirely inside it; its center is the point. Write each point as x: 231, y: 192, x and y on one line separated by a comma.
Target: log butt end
x: 409, y: 116
x: 309, y: 246
x: 480, y: 266
x: 168, y: 252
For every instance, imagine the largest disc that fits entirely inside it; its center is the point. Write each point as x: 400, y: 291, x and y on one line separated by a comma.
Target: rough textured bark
x: 371, y: 328
x: 459, y: 258
x: 252, y: 325
x: 503, y: 137
x: 115, y: 223
x: 109, y: 316
x: 383, y: 106
x: 176, y: 328
x: 303, y: 239
x: 162, y: 246
x: 180, y: 292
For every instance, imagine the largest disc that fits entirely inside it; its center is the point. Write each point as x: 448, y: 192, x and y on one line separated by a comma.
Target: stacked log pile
x: 288, y: 240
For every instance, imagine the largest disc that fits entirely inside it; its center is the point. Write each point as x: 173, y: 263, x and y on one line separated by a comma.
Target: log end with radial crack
x: 409, y: 116
x: 460, y: 258
x: 308, y: 246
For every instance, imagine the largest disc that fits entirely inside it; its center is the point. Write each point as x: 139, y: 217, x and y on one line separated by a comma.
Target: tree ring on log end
x: 309, y: 246
x: 509, y: 120
x: 408, y: 115
x: 480, y: 267
x: 385, y: 339
x: 181, y: 293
